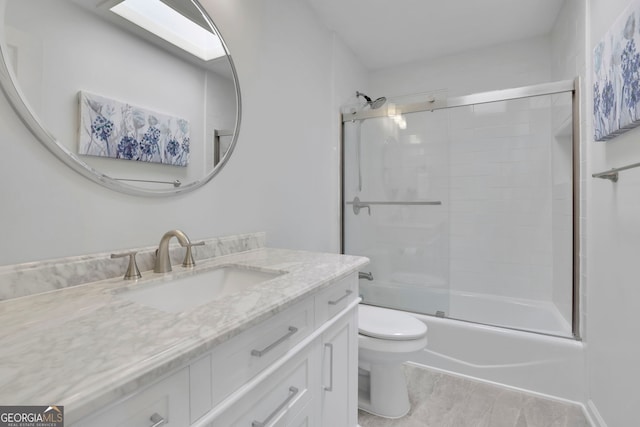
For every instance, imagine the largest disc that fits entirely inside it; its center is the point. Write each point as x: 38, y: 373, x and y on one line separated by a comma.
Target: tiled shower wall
x: 501, y: 199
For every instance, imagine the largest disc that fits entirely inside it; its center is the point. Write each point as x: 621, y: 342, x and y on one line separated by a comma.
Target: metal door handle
x: 260, y: 353
x: 292, y: 393
x: 330, y: 388
x: 335, y: 302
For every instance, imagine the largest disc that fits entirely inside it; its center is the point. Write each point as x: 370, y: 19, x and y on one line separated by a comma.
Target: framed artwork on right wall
x: 616, y: 76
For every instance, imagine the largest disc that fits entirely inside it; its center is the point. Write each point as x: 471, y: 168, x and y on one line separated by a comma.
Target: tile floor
x: 441, y: 400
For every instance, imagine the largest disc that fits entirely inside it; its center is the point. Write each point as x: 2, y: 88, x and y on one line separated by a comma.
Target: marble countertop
x: 84, y: 346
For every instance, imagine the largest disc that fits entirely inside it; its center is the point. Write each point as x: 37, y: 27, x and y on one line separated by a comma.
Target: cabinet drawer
x: 168, y: 399
x: 275, y: 405
x: 335, y: 298
x: 241, y: 358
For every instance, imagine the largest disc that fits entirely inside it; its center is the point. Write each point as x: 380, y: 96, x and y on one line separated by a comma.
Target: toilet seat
x: 389, y: 325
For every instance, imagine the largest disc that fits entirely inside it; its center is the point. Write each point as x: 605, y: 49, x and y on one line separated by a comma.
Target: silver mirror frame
x: 11, y: 89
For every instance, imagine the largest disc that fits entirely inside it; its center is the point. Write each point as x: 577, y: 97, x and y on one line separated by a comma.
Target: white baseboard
x: 593, y: 416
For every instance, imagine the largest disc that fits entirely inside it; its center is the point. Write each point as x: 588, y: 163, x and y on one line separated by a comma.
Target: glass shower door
x: 395, y: 198
x: 468, y: 211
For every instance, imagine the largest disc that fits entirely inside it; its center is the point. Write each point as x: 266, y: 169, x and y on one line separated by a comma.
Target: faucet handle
x: 132, y: 270
x: 188, y: 257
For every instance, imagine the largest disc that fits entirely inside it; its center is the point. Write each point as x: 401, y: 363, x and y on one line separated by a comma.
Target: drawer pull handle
x: 292, y: 393
x: 260, y: 353
x: 347, y: 293
x: 157, y: 419
x: 330, y: 388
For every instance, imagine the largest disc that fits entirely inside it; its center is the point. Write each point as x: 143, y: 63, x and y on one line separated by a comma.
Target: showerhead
x: 378, y: 102
x: 373, y: 104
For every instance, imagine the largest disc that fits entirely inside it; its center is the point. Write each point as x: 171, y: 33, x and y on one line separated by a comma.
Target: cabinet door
x: 340, y: 374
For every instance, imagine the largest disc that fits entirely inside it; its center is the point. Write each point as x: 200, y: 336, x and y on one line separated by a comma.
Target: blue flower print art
x: 128, y: 148
x: 616, y: 77
x: 101, y: 128
x: 118, y: 130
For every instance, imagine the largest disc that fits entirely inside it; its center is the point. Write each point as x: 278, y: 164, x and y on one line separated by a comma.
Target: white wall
x: 292, y: 73
x: 613, y: 294
x: 510, y: 65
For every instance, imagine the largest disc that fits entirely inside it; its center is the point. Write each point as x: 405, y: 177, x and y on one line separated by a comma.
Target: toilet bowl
x: 386, y: 339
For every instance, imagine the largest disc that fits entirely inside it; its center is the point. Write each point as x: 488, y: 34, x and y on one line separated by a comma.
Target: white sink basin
x: 188, y: 292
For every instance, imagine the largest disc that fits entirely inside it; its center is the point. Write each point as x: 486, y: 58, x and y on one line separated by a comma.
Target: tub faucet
x: 362, y: 275
x: 163, y: 262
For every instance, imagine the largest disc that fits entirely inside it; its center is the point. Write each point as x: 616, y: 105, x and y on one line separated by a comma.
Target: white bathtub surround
x: 442, y: 400
x: 497, y: 310
x: 523, y: 360
x: 517, y: 313
x: 43, y: 276
x: 84, y: 347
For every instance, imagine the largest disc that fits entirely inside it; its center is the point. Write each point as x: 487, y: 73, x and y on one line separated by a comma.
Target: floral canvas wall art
x: 616, y: 77
x: 110, y: 128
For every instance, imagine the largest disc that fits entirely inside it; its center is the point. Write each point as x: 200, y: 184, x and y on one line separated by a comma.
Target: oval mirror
x: 138, y: 95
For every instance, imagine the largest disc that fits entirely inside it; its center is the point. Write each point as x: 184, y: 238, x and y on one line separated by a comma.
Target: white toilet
x: 386, y: 340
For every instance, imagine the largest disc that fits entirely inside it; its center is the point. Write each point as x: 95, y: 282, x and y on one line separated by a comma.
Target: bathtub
x: 545, y: 365
x: 485, y: 343
x: 431, y: 296
x: 515, y: 313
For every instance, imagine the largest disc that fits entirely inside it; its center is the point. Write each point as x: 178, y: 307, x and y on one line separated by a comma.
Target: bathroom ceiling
x: 384, y: 33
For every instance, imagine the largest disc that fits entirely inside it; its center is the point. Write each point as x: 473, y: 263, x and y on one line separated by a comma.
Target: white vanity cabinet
x: 318, y: 385
x: 339, y: 395
x: 297, y: 368
x: 338, y: 398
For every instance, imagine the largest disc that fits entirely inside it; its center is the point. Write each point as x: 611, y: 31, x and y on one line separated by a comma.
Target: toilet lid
x: 387, y: 324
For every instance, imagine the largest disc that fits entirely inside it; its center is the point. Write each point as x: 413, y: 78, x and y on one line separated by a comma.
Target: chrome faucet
x: 163, y: 262
x: 362, y: 275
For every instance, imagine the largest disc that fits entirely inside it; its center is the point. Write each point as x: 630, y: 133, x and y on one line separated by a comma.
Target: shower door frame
x: 552, y: 88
